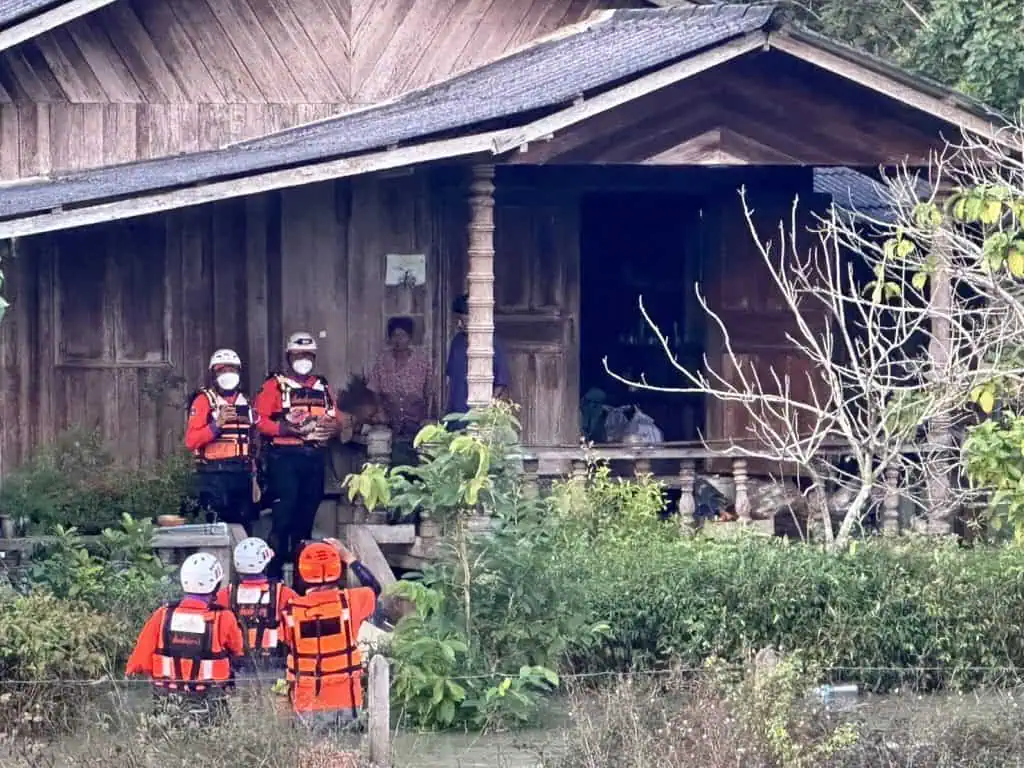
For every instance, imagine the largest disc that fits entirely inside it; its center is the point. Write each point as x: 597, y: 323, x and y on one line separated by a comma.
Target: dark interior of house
x: 632, y: 246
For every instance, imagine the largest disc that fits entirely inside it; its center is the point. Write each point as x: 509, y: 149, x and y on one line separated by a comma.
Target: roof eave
x: 31, y: 27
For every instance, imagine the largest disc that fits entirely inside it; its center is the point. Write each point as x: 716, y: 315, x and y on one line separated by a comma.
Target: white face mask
x: 228, y: 381
x: 302, y: 366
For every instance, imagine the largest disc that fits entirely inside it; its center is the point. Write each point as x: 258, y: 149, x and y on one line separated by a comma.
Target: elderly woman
x: 402, y: 379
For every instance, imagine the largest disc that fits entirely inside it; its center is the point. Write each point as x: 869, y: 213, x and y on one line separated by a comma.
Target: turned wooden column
x: 687, y: 504
x: 739, y: 473
x: 480, y: 327
x: 891, y: 501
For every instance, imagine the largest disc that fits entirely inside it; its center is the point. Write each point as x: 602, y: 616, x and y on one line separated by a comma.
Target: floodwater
x: 523, y: 749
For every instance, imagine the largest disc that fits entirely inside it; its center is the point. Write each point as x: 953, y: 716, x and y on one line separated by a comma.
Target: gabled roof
x: 528, y: 94
x: 14, y: 10
x: 22, y: 20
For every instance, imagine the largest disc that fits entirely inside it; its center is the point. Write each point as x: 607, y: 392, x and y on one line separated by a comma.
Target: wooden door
x: 741, y: 290
x: 537, y: 297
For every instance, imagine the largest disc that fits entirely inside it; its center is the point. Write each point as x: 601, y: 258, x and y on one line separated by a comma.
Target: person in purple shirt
x: 458, y: 362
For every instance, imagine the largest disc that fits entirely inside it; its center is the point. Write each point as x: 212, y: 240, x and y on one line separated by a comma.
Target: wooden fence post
x: 378, y: 727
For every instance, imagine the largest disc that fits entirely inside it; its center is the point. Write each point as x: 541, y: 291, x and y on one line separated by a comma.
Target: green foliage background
x: 975, y: 46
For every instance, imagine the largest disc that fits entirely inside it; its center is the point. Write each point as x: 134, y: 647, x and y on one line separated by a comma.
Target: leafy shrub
x: 118, y: 574
x: 432, y: 684
x: 878, y: 606
x: 45, y: 644
x: 76, y: 482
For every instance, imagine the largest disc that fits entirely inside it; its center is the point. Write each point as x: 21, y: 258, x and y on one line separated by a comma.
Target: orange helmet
x: 320, y: 563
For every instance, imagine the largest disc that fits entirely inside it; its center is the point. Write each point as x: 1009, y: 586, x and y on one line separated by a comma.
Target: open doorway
x: 649, y: 245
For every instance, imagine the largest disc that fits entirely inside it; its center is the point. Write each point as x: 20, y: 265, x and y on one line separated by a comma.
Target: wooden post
x: 531, y: 489
x: 579, y: 469
x: 687, y: 504
x: 480, y: 328
x: 641, y: 466
x: 378, y: 726
x: 891, y: 502
x: 940, y: 430
x: 739, y: 472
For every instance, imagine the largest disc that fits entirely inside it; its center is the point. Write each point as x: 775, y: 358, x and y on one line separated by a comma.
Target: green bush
x: 76, y: 481
x: 118, y: 574
x: 47, y: 647
x: 865, y: 614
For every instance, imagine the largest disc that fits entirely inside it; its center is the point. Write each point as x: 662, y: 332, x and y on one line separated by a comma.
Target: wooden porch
x: 123, y: 279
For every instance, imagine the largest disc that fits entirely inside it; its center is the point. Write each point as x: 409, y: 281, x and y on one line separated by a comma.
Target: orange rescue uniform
x: 211, y: 443
x: 324, y: 664
x: 258, y: 604
x: 186, y: 647
x: 293, y: 399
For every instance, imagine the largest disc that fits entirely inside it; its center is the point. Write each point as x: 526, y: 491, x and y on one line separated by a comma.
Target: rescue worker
x: 297, y: 415
x: 186, y: 647
x: 258, y: 603
x: 219, y: 434
x: 321, y: 631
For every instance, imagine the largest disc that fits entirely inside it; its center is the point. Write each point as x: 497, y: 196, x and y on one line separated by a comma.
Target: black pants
x: 296, y: 480
x: 226, y: 495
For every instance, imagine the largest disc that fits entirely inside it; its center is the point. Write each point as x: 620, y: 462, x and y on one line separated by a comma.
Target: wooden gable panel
x: 762, y: 109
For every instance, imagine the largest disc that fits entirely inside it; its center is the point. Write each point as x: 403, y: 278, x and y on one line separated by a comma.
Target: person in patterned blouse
x: 402, y: 378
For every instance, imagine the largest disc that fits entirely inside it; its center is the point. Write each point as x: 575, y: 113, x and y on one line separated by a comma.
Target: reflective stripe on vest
x: 300, y: 403
x: 234, y: 438
x: 188, y: 656
x: 324, y: 663
x: 255, y: 606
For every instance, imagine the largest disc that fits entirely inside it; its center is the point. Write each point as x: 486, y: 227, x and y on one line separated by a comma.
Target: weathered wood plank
x: 141, y: 56
x: 243, y: 29
x: 365, y: 547
x: 111, y: 71
x: 313, y: 77
x: 329, y: 38
x: 76, y: 78
x: 179, y: 53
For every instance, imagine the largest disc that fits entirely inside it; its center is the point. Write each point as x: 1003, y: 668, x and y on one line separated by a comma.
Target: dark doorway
x: 649, y: 245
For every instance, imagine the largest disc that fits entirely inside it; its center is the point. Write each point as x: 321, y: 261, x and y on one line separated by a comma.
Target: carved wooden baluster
x: 531, y: 488
x: 687, y: 504
x: 891, y: 501
x: 739, y: 473
x: 579, y: 469
x: 641, y: 466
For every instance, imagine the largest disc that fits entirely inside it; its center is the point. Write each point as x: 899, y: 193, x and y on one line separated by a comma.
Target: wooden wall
x: 140, y: 79
x: 112, y: 326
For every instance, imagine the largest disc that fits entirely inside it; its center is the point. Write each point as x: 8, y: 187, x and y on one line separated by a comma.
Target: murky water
x: 523, y: 749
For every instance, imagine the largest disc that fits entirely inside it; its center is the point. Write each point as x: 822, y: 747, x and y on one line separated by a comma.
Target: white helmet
x: 252, y: 555
x: 201, y: 574
x: 301, y: 341
x: 225, y: 357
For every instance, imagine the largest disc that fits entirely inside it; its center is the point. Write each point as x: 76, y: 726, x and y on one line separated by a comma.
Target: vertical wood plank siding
x: 111, y: 326
x: 141, y: 79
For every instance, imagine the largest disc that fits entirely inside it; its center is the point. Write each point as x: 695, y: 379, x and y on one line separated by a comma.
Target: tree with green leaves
x: 974, y: 46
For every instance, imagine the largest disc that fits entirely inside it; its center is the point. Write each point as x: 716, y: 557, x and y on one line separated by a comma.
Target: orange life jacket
x: 300, y: 402
x: 255, y: 606
x: 324, y: 664
x: 189, y: 657
x: 234, y: 440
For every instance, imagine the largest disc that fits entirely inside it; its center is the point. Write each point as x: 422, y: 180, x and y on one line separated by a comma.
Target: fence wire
x: 846, y: 672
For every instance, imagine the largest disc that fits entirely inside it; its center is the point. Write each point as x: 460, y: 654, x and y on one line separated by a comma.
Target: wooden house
x: 188, y: 174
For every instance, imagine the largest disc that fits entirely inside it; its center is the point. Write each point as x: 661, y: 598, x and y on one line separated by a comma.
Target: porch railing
x: 679, y: 465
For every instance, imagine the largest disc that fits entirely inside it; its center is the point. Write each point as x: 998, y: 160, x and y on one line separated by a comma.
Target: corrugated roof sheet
x: 13, y: 10
x: 544, y: 75
x: 858, y: 193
